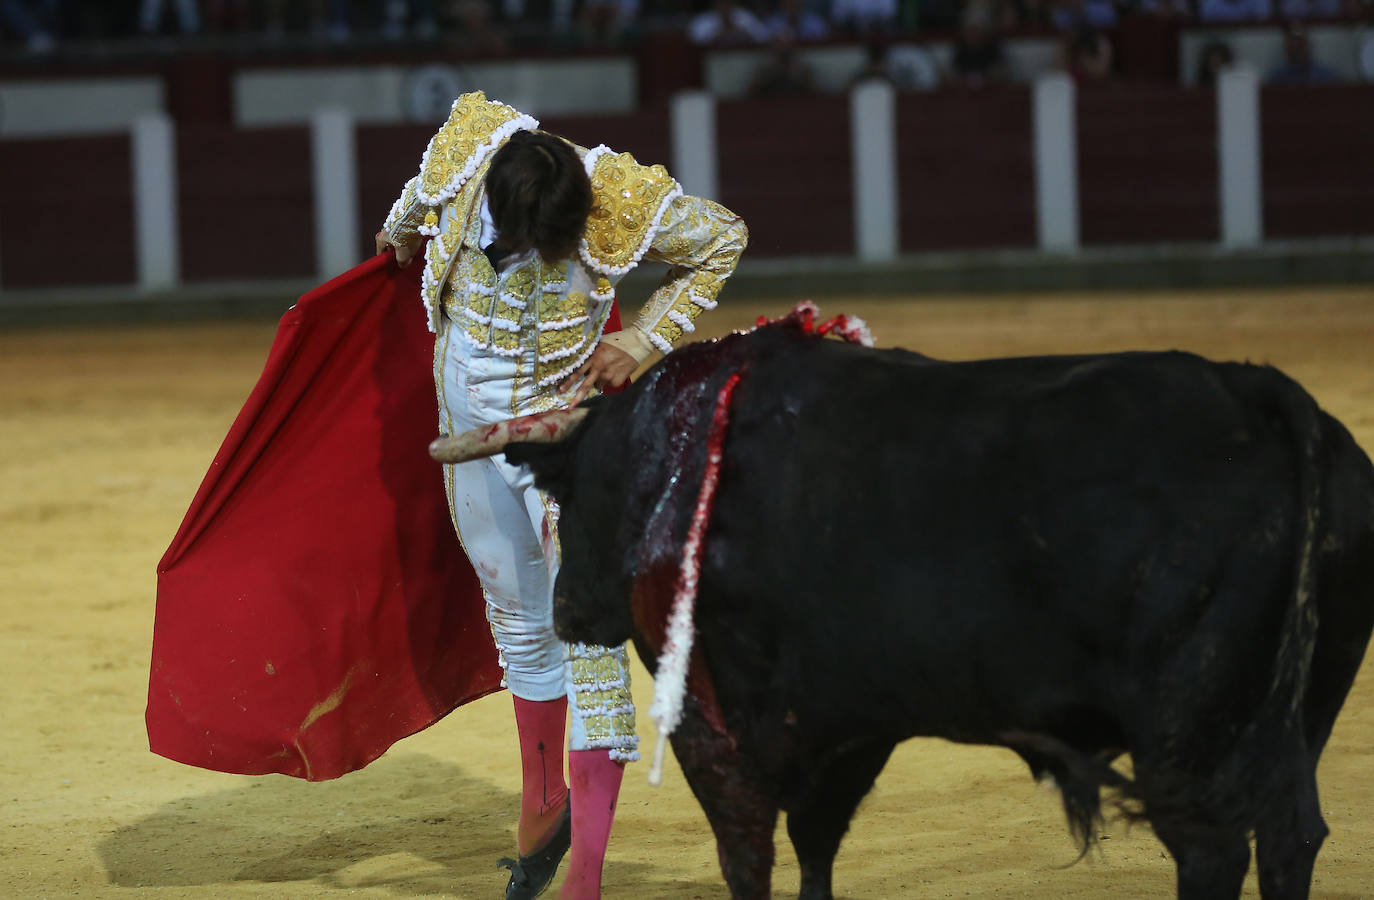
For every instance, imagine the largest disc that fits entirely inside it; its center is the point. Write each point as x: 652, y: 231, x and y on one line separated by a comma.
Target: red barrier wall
x: 1147, y: 173
x: 66, y: 212
x: 1317, y: 160
x: 964, y: 170
x: 1147, y: 164
x: 645, y: 133
x: 784, y: 166
x: 246, y: 204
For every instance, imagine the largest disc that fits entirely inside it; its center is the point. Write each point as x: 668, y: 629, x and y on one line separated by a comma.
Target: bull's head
x: 574, y: 459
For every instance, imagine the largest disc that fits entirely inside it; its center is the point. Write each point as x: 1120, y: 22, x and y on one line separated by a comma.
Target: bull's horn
x: 540, y: 428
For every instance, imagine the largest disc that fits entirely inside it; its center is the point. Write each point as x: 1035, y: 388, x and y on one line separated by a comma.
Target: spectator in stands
x: 875, y: 67
x: 978, y: 58
x: 792, y: 18
x: 865, y: 17
x: 605, y: 23
x: 1014, y: 14
x: 1298, y: 66
x: 1214, y: 56
x: 1216, y: 11
x: 329, y: 18
x: 784, y: 73
x: 1088, y: 55
x: 939, y: 14
x: 1068, y: 15
x: 34, y: 21
x: 150, y: 16
x: 1311, y: 9
x: 727, y: 23
x: 228, y: 15
x: 475, y: 29
x: 1178, y: 10
x: 402, y: 16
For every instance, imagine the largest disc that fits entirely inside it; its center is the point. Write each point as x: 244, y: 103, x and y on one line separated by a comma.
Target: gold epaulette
x: 629, y: 200
x: 476, y: 126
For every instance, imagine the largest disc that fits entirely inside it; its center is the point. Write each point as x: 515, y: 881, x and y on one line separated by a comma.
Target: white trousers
x: 509, y: 533
x: 504, y: 522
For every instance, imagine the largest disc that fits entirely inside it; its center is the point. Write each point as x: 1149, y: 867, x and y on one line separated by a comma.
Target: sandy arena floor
x: 106, y: 435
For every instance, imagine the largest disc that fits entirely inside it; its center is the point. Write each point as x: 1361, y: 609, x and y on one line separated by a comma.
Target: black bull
x: 1072, y: 557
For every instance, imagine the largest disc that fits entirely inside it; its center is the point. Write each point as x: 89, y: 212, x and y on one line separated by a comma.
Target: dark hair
x: 539, y: 195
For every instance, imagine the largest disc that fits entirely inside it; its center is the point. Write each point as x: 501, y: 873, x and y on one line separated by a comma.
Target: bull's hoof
x: 530, y: 875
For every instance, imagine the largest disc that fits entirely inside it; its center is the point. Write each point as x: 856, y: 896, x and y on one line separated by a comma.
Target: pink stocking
x: 543, y: 793
x: 595, y: 787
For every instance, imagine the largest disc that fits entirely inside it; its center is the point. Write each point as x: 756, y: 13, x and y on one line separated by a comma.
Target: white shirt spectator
x: 731, y: 24
x: 863, y: 14
x: 792, y: 20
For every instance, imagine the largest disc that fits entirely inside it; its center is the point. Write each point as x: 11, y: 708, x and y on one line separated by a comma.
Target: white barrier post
x: 1238, y: 157
x: 157, y: 243
x: 1055, y: 129
x: 873, y: 150
x: 335, y: 171
x: 693, y: 123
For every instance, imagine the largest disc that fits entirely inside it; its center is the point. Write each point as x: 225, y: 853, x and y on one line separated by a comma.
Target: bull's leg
x: 1287, y: 838
x: 1211, y: 863
x: 742, y: 811
x: 818, y: 822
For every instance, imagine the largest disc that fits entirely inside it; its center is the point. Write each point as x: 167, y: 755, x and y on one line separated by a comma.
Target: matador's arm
x: 701, y: 241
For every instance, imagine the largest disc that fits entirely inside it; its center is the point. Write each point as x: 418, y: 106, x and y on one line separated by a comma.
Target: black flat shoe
x: 530, y: 875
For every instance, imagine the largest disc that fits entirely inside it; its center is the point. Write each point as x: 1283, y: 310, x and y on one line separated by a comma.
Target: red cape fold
x: 315, y: 606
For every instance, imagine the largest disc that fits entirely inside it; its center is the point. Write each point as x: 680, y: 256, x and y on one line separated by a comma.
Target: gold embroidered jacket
x: 557, y: 310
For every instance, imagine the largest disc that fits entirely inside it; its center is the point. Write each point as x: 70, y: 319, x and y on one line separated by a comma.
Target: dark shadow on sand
x: 446, y: 826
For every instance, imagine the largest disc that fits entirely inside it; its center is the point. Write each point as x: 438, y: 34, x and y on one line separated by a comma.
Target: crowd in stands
x: 976, y: 29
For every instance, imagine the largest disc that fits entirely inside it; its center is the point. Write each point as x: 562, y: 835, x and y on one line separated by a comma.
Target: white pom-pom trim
x: 661, y: 343
x: 681, y: 321
x: 587, y: 350
x: 562, y: 323
x: 649, y: 233
x: 702, y: 301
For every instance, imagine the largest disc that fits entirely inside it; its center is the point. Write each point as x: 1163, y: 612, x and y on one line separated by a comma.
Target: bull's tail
x: 1298, y: 639
x: 1081, y: 779
x: 1266, y: 756
x: 1260, y: 768
x: 1252, y: 778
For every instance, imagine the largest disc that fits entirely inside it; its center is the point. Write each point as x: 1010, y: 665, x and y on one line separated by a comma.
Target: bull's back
x: 931, y: 534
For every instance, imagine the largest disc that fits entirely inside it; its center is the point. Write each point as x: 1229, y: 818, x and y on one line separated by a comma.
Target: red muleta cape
x: 315, y: 606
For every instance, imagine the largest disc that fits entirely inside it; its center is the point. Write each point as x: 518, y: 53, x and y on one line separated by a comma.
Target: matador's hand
x: 403, y: 254
x: 608, y: 366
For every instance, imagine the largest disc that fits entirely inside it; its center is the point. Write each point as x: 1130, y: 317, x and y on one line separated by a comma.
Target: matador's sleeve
x: 701, y: 241
x: 407, y: 215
